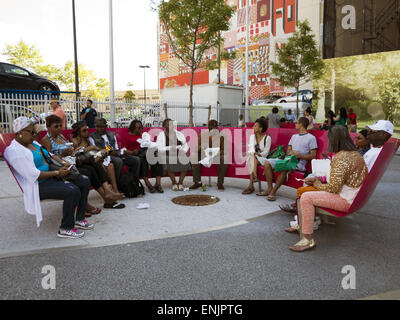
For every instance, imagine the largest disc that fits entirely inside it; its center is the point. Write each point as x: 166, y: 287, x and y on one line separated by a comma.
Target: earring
x: 20, y: 135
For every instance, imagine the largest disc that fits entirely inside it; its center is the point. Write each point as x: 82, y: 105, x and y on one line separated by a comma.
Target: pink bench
x: 278, y: 137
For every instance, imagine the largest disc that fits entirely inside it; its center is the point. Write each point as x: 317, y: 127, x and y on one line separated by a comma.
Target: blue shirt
x: 39, y: 159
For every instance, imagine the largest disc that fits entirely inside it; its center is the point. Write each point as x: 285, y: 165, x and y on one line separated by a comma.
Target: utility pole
x: 111, y: 46
x: 247, y: 57
x: 77, y: 93
x: 144, y: 84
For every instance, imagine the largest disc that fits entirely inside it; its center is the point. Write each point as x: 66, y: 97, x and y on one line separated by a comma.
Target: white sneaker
x: 317, y: 223
x: 293, y: 224
x: 84, y: 225
x: 175, y: 187
x: 180, y: 187
x: 71, y: 233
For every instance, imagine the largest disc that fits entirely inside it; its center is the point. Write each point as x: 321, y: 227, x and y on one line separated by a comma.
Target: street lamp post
x: 75, y: 61
x: 144, y: 88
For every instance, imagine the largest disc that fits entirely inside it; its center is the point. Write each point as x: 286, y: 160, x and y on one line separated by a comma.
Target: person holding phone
x: 28, y: 162
x: 89, y: 114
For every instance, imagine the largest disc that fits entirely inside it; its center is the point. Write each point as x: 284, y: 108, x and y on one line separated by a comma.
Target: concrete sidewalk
x: 238, y: 258
x: 163, y: 219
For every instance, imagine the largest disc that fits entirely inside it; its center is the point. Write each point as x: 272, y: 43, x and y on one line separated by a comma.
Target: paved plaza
x: 235, y: 249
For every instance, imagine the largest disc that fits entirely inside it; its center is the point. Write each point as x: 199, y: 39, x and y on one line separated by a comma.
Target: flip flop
x: 271, y: 198
x: 248, y: 191
x: 114, y: 205
x: 94, y: 212
x: 262, y: 194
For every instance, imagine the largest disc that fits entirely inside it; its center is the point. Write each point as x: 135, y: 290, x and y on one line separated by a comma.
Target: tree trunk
x: 191, y: 100
x: 297, y: 101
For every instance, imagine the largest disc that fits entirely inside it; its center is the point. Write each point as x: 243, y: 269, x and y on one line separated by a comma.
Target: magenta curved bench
x: 278, y: 137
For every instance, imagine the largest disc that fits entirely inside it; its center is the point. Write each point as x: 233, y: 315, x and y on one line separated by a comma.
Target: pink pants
x: 310, y: 200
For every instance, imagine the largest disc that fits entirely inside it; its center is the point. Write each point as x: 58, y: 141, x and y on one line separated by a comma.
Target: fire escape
x: 377, y: 37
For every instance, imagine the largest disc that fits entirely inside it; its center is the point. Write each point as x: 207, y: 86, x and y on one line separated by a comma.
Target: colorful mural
x: 271, y: 23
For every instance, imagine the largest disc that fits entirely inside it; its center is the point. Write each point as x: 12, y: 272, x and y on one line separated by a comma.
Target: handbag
x: 83, y: 158
x: 54, y: 165
x: 287, y: 164
x: 277, y: 153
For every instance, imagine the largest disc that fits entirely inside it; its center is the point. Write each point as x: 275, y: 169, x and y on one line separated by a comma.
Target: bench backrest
x: 375, y: 175
x: 5, y: 141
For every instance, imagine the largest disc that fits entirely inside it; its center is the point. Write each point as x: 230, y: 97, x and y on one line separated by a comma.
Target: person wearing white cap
x: 378, y: 134
x: 27, y: 160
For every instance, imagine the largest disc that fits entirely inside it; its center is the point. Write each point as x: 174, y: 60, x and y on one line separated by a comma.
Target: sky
x: 47, y: 24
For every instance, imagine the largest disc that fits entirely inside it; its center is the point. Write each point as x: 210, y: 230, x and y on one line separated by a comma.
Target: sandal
x: 151, y: 189
x: 271, y: 198
x: 303, y: 245
x: 262, y: 194
x: 159, y: 189
x: 114, y: 205
x: 287, y: 208
x: 248, y: 191
x: 294, y: 229
x: 93, y: 212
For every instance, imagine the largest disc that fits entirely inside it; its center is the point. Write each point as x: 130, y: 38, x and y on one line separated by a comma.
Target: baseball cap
x: 383, y: 125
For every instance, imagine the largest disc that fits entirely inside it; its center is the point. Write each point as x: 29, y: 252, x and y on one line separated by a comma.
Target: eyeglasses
x: 32, y: 132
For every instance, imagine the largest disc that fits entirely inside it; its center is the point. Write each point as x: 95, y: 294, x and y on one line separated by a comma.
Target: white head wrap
x: 21, y: 123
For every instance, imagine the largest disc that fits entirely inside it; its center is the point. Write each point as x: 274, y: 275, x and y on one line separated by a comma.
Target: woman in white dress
x: 172, y: 148
x: 259, y: 147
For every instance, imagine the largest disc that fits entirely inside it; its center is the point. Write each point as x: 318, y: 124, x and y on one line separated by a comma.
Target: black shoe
x: 195, y: 186
x: 287, y: 208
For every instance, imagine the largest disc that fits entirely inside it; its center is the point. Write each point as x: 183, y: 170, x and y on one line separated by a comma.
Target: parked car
x: 14, y: 77
x: 266, y: 100
x: 304, y: 96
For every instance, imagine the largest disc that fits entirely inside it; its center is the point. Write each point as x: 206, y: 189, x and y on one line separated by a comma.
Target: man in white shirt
x: 378, y: 134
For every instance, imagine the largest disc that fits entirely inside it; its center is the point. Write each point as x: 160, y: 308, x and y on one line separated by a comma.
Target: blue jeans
x: 74, y: 195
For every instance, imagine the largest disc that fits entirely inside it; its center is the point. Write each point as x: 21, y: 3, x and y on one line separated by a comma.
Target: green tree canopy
x: 129, y: 95
x: 28, y: 56
x: 193, y: 27
x: 299, y: 59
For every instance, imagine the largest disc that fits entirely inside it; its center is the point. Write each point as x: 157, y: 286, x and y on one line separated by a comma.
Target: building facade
x: 271, y: 23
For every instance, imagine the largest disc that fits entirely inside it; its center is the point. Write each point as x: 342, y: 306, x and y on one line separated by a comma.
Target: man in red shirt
x: 58, y: 111
x: 351, y: 115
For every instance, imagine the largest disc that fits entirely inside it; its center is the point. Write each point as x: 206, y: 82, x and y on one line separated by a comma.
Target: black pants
x: 96, y: 174
x: 74, y: 195
x: 156, y: 170
x: 132, y: 162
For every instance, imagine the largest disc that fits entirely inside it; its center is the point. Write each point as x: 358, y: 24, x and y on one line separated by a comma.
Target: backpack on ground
x: 131, y: 186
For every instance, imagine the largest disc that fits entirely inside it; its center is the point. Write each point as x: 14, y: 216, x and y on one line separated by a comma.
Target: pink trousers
x: 310, y: 200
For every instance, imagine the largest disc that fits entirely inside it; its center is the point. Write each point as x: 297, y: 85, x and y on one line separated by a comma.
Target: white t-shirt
x: 371, y: 156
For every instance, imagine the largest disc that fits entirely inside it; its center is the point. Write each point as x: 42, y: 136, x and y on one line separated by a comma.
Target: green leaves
x: 28, y: 56
x: 299, y: 58
x: 193, y: 26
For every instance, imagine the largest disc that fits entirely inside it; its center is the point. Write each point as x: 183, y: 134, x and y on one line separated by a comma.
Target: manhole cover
x: 195, y: 200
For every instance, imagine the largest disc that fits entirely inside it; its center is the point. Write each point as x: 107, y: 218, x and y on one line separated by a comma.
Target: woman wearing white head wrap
x: 27, y: 160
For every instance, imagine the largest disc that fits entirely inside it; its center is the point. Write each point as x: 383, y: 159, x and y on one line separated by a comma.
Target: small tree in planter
x: 299, y: 59
x: 193, y: 27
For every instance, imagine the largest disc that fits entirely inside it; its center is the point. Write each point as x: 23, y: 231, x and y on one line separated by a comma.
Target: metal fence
x: 151, y: 114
